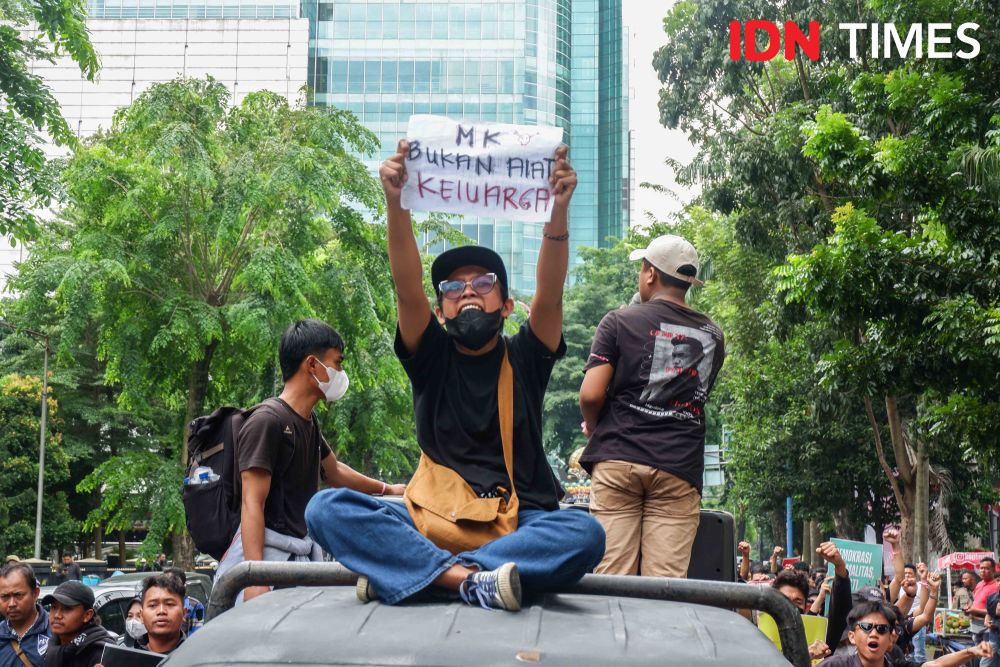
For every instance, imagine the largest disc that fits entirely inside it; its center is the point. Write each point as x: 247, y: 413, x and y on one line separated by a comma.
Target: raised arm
x: 412, y: 307
x: 744, y: 549
x: 891, y: 537
x: 928, y: 599
x: 553, y: 258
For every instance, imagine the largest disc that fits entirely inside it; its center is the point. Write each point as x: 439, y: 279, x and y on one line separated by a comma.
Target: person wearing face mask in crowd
x: 282, y: 454
x: 135, y: 631
x: 460, y: 366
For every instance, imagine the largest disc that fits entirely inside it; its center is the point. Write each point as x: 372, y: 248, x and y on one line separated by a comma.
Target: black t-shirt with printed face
x: 277, y: 439
x: 666, y: 358
x: 458, y: 425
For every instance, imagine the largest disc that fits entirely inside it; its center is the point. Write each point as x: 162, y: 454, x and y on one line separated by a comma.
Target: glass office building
x: 551, y: 62
x: 191, y: 9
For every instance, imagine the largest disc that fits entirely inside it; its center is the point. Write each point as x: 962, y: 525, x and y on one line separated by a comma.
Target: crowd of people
x: 62, y: 629
x: 885, y: 625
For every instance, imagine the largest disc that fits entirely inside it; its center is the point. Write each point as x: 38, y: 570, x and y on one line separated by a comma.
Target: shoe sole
x: 509, y: 587
x: 363, y: 590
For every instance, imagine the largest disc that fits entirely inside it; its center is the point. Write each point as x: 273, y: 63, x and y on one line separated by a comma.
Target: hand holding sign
x: 563, y: 179
x: 392, y: 173
x: 485, y: 168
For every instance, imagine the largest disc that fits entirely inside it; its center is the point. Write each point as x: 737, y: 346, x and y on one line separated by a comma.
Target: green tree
x: 194, y: 233
x: 19, y: 434
x: 32, y: 31
x: 855, y: 167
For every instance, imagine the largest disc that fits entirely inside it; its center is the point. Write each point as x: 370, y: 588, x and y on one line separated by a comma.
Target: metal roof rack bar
x: 711, y: 593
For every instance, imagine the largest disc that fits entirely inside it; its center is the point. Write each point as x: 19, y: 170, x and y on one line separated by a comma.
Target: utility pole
x: 41, y: 436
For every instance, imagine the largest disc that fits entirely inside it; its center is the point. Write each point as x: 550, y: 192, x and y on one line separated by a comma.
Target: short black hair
x: 910, y: 566
x: 167, y: 582
x: 23, y: 569
x: 801, y: 566
x: 303, y: 338
x: 792, y: 578
x: 862, y: 609
x: 670, y: 281
x: 176, y: 572
x: 989, y: 559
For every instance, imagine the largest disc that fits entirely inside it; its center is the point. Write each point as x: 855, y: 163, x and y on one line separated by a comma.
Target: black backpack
x: 212, y: 508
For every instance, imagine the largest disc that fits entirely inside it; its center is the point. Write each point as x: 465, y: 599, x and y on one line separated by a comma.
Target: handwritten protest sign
x: 480, y: 168
x: 864, y: 562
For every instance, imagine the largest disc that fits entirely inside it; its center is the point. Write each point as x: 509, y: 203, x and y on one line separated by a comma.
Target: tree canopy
x: 865, y: 187
x: 193, y: 234
x: 30, y: 31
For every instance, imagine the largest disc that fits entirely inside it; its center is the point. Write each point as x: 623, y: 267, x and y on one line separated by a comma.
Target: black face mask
x: 473, y: 328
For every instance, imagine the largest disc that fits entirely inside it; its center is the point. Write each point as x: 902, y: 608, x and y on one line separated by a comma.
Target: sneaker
x: 493, y: 589
x: 364, y: 590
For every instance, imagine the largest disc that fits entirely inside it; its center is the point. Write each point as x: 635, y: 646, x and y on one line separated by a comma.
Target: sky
x: 653, y: 142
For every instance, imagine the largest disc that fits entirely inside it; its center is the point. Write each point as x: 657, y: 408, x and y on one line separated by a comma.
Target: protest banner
x: 480, y: 168
x: 864, y: 562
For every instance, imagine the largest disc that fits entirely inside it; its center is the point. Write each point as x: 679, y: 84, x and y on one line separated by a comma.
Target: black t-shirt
x: 277, y: 439
x: 458, y: 425
x: 666, y: 358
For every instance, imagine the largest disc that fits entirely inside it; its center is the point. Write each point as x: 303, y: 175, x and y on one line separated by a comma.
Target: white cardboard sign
x: 480, y: 168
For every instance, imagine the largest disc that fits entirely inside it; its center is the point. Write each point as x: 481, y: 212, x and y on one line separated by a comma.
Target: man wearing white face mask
x: 282, y: 453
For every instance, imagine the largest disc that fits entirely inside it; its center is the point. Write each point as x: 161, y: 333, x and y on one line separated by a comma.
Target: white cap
x: 669, y: 253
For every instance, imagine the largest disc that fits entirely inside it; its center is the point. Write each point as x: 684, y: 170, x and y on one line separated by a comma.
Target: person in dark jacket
x: 24, y: 631
x: 78, y: 637
x: 68, y: 571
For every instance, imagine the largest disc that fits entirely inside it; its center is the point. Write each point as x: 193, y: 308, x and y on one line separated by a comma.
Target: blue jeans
x: 920, y: 645
x: 995, y: 660
x: 377, y: 538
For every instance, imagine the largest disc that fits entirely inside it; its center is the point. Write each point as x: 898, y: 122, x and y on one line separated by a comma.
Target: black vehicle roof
x: 328, y: 626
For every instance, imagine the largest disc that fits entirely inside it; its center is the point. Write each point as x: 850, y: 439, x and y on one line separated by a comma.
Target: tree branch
x: 803, y: 79
x: 234, y: 260
x: 903, y: 464
x: 880, y: 451
x: 736, y: 118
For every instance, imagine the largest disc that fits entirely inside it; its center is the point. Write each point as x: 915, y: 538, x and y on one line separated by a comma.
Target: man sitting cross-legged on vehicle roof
x: 458, y: 365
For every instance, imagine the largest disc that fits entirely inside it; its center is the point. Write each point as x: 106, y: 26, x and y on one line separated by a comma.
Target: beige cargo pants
x: 650, y: 518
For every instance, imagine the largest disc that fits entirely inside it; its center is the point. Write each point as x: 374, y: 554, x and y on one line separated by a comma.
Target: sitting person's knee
x: 326, y: 502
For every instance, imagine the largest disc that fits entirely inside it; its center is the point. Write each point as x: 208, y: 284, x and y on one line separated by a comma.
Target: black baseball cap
x: 71, y: 594
x: 868, y: 593
x: 468, y: 255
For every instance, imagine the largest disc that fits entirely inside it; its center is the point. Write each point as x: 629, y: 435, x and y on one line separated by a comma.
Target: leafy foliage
x: 32, y: 31
x: 20, y: 415
x: 875, y: 179
x: 194, y: 233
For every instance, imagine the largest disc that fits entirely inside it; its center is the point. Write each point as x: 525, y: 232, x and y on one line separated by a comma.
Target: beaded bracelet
x: 560, y: 237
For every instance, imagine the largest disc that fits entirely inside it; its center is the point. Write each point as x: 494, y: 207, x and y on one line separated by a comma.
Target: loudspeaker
x: 713, y: 555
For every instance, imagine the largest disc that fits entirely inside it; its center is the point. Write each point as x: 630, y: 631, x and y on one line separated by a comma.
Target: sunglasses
x: 482, y: 285
x: 881, y: 628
